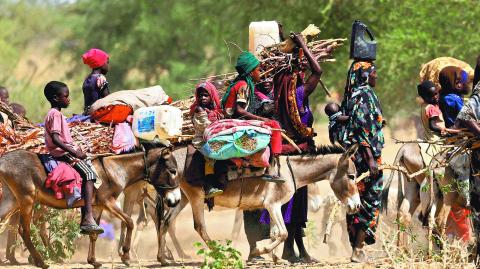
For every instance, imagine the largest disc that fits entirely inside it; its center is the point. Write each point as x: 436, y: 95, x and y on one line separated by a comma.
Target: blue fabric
x: 75, y: 196
x: 49, y: 163
x: 450, y: 104
x: 230, y: 149
x: 74, y: 118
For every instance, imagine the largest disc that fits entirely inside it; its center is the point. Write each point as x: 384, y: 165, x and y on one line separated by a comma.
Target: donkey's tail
x: 388, y: 182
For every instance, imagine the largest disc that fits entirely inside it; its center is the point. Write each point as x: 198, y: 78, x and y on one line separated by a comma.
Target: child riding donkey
x: 204, y: 111
x: 60, y: 145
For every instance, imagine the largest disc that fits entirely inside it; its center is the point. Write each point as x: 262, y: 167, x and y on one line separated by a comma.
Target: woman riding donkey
x: 237, y: 104
x: 364, y: 128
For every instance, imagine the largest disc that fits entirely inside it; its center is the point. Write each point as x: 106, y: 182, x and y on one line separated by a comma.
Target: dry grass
x: 453, y: 254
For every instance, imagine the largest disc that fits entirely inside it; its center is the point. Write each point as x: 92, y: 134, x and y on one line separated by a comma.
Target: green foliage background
x: 169, y: 42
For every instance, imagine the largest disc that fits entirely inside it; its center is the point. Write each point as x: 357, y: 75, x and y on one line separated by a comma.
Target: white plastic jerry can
x: 160, y: 122
x: 262, y: 34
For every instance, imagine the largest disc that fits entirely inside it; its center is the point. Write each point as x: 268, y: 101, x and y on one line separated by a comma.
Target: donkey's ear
x: 166, y: 152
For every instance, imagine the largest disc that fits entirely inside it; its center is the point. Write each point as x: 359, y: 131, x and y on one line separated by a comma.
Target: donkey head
x: 165, y: 178
x: 343, y: 182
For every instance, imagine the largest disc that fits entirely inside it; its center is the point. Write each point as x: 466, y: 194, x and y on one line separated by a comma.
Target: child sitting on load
x: 60, y: 145
x: 434, y: 126
x: 95, y: 85
x: 205, y: 110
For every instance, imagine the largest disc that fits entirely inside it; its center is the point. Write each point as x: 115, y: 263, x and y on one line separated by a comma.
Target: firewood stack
x: 273, y: 60
x: 92, y: 138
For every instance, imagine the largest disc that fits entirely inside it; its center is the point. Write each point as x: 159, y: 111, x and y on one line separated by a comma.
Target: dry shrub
x: 454, y: 253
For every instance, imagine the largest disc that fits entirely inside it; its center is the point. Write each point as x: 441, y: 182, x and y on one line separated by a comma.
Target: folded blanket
x: 151, y: 96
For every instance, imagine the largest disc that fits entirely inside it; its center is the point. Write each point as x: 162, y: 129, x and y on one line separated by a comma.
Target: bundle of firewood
x: 92, y: 138
x: 184, y: 105
x: 273, y: 59
x: 29, y: 139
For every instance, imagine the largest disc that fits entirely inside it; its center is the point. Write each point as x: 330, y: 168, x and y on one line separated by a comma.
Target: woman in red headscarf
x: 95, y: 85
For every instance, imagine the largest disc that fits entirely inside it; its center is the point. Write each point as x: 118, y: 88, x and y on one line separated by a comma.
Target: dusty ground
x: 332, y: 255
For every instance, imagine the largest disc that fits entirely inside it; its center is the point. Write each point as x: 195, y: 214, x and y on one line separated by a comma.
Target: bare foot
x: 289, y: 255
x: 308, y: 259
x: 359, y: 256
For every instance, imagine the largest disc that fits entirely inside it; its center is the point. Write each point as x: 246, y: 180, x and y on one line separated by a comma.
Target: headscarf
x: 215, y: 113
x: 246, y: 62
x: 95, y: 58
x: 449, y: 76
x: 357, y: 79
x: 362, y: 105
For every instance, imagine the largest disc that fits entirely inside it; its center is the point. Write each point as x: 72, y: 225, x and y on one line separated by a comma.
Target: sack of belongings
x: 431, y: 70
x: 118, y: 105
x: 230, y: 138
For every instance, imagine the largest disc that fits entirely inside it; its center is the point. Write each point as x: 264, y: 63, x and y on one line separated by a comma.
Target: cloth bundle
x: 62, y: 179
x: 431, y: 70
x: 151, y: 96
x: 231, y: 138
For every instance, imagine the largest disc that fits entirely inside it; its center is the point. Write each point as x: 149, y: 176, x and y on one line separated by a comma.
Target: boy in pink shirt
x: 60, y: 145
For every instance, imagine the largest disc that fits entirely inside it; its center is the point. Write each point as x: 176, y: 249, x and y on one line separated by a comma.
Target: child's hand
x: 80, y: 154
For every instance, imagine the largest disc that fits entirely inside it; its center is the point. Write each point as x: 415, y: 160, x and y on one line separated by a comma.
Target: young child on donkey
x: 60, y: 145
x: 95, y: 85
x: 432, y: 116
x: 434, y: 127
x: 204, y: 111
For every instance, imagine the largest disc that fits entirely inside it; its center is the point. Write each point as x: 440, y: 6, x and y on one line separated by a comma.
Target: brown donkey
x: 330, y: 163
x: 24, y: 175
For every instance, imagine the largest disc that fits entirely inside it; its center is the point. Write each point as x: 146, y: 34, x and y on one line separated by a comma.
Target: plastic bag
x: 123, y: 138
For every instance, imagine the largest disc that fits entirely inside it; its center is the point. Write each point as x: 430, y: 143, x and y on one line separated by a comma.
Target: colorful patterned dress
x: 365, y: 128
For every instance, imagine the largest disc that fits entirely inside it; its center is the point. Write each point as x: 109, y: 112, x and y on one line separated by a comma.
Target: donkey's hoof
x: 13, y: 260
x: 95, y: 264
x: 41, y: 264
x: 125, y: 259
x: 163, y: 261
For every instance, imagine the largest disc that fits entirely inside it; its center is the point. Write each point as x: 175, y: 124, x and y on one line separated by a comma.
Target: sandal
x: 270, y: 178
x: 91, y: 229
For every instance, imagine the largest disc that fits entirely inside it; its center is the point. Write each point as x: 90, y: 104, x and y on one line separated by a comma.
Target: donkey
x: 409, y: 195
x: 26, y: 182
x: 329, y: 162
x: 142, y: 194
x: 435, y: 207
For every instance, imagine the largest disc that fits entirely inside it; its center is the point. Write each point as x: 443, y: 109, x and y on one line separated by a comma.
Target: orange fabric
x: 458, y: 223
x: 112, y: 114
